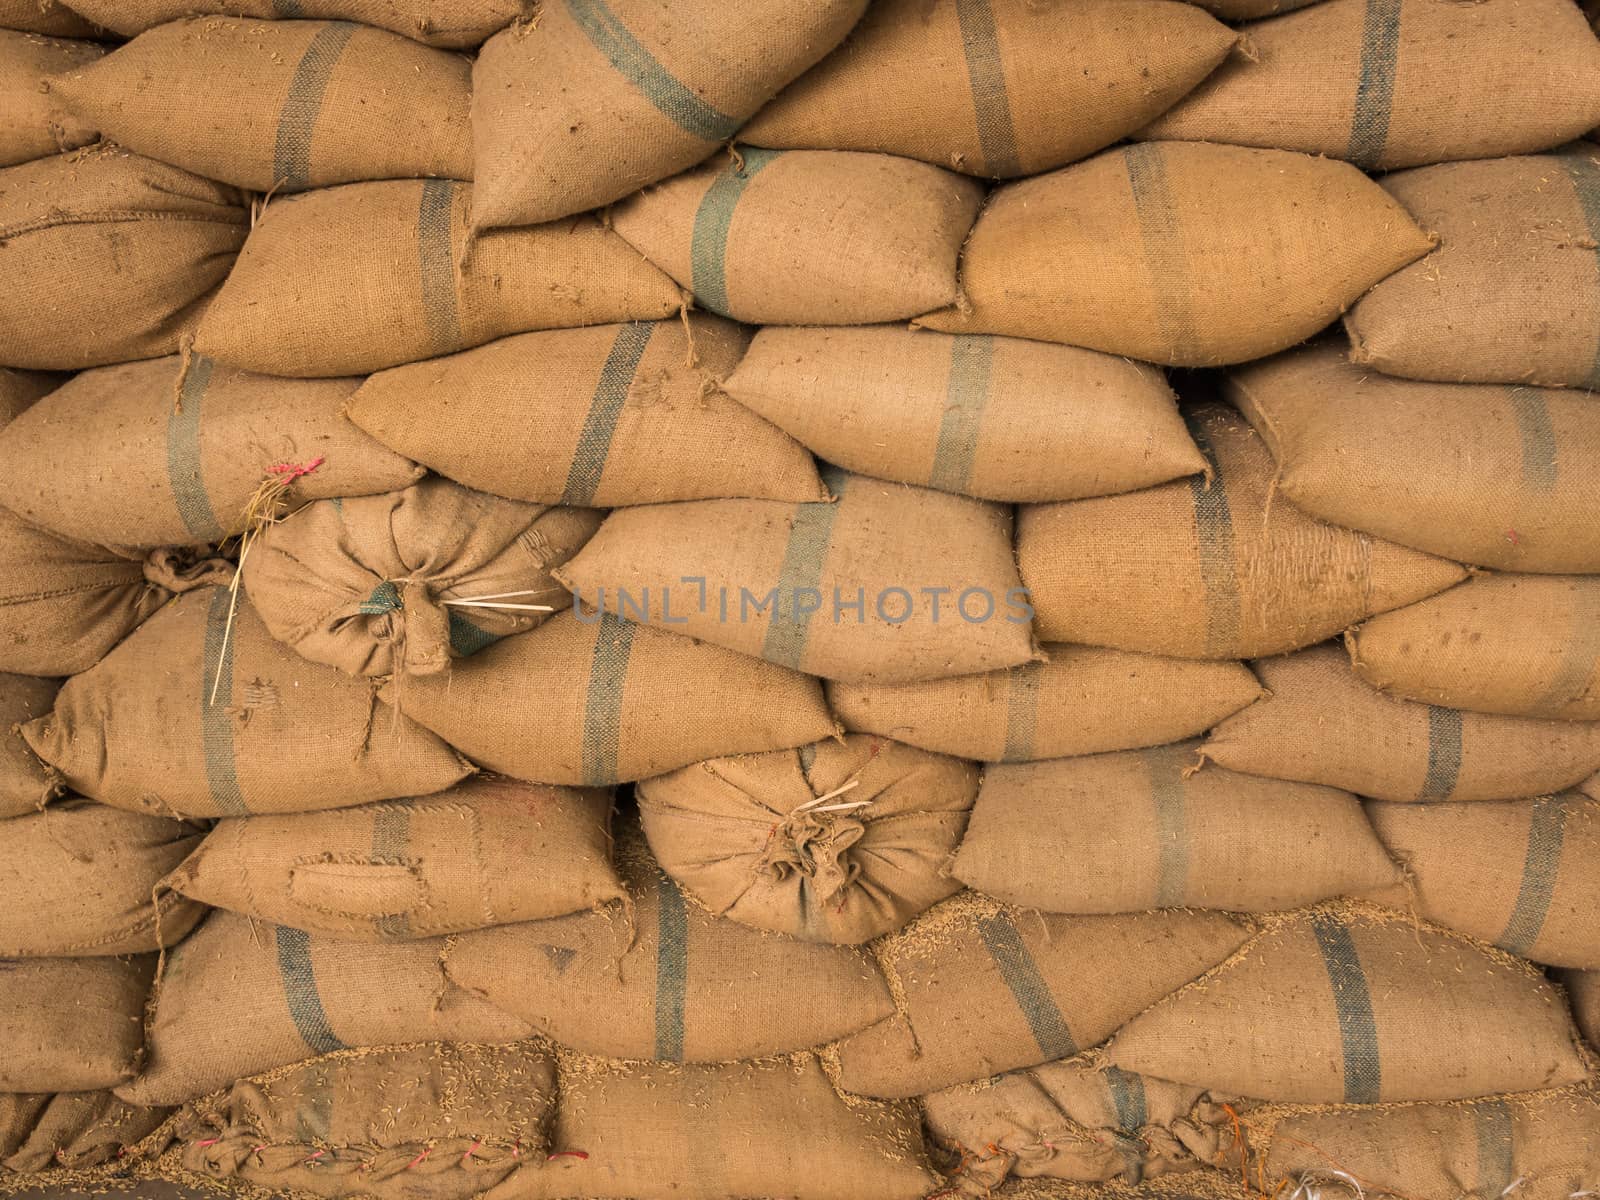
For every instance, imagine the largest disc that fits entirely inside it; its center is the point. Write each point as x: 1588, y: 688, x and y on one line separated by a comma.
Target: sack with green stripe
x: 995, y: 418
x: 408, y: 582
x: 189, y: 449
x: 1144, y: 829
x: 982, y: 989
x: 205, y: 714
x: 20, y: 389
x: 838, y: 841
x: 1319, y: 723
x: 611, y: 415
x: 807, y: 237
x: 109, y: 256
x: 1359, y: 1005
x: 25, y: 783
x: 660, y: 977
x: 598, y: 98
x: 1213, y: 568
x: 72, y: 1024
x: 489, y: 851
x: 1512, y: 474
x: 455, y: 24
x: 74, y: 1131
x: 36, y: 123
x: 356, y: 278
x: 240, y: 997
x: 49, y: 17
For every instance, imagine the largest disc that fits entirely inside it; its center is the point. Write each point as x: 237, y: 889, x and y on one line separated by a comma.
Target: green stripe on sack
x: 980, y: 42
x: 1584, y: 172
x: 629, y: 58
x: 391, y: 833
x: 1021, y: 975
x: 1380, y: 54
x: 436, y: 264
x: 1352, y: 1000
x: 385, y: 598
x: 1444, y: 753
x: 1213, y: 528
x: 672, y: 970
x: 185, y: 474
x: 1539, y: 468
x: 708, y: 243
x: 966, y: 393
x: 605, y: 407
x: 809, y: 538
x: 1164, y: 253
x: 466, y: 639
x: 1547, y: 827
x: 1164, y: 769
x: 297, y: 122
x: 1497, y: 1159
x: 216, y: 698
x: 1128, y: 1098
x: 300, y: 991
x: 602, y: 712
x: 1022, y: 713
x: 288, y: 9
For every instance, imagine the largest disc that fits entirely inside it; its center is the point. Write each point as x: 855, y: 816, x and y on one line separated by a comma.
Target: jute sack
x: 1583, y: 994
x: 807, y: 237
x: 775, y: 1127
x: 71, y: 1130
x: 593, y: 701
x: 36, y: 124
x: 407, y: 582
x: 980, y: 989
x: 1136, y: 252
x: 995, y: 418
x: 1521, y: 645
x: 72, y: 1024
x: 1319, y: 723
x: 1512, y: 294
x: 439, y: 1121
x: 1517, y: 874
x: 189, y: 450
x: 662, y: 978
x: 887, y: 585
x: 595, y: 100
x: 1358, y: 1005
x: 76, y: 881
x: 240, y: 997
x: 191, y: 718
x: 1227, y: 10
x: 109, y: 256
x: 838, y: 841
x: 1504, y: 477
x: 611, y: 415
x: 489, y: 851
x: 49, y: 17
x: 1399, y: 83
x: 1082, y: 700
x: 1219, y: 568
x: 20, y: 389
x: 25, y: 784
x: 981, y: 89
x: 457, y: 24
x: 1143, y: 829
x: 352, y: 279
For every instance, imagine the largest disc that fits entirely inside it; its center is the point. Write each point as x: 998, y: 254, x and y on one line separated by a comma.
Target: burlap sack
x: 192, y: 718
x: 49, y: 17
x: 34, y: 123
x: 1512, y: 294
x: 489, y: 851
x: 352, y: 279
x: 1083, y: 700
x: 1402, y: 82
x: 890, y: 584
x: 1583, y: 993
x: 307, y: 103
x: 593, y: 701
x: 1500, y: 477
x: 19, y: 390
x: 1358, y: 1006
x: 982, y: 989
x: 1210, y: 569
x: 996, y: 418
x: 598, y: 98
x: 439, y: 1121
x: 109, y: 256
x: 1319, y: 723
x: 24, y: 782
x: 1137, y: 252
x: 1143, y: 829
x: 458, y: 24
x: 76, y: 881
x: 71, y: 1130
x: 838, y: 841
x: 662, y: 978
x: 72, y: 1024
x: 982, y: 88
x: 187, y: 450
x: 616, y: 414
x: 410, y: 581
x: 775, y: 1127
x: 807, y: 237
x: 1240, y: 10
x: 240, y: 997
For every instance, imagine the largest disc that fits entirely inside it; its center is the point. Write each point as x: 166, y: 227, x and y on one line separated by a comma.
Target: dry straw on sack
x: 49, y: 17
x: 25, y: 783
x: 70, y: 1130
x: 983, y: 88
x: 35, y: 122
x: 609, y: 415
x: 72, y: 1024
x: 457, y: 24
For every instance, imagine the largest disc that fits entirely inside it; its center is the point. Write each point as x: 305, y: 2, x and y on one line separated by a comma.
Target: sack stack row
x: 608, y: 600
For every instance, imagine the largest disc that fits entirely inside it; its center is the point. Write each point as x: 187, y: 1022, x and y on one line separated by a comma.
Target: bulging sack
x: 838, y: 841
x: 72, y: 1024
x: 457, y: 24
x: 36, y: 123
x: 489, y: 851
x: 72, y: 1131
x: 610, y: 415
x: 25, y: 783
x: 1136, y: 252
x: 996, y: 418
x: 49, y: 17
x: 807, y: 237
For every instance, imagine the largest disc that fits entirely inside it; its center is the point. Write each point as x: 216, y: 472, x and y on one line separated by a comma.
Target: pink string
x: 296, y: 470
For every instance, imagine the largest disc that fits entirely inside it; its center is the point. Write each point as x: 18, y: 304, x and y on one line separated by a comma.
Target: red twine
x: 296, y: 470
x: 567, y: 1154
x: 418, y: 1159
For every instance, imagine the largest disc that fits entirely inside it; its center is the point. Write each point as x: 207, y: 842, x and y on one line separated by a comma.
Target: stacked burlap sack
x: 607, y: 600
